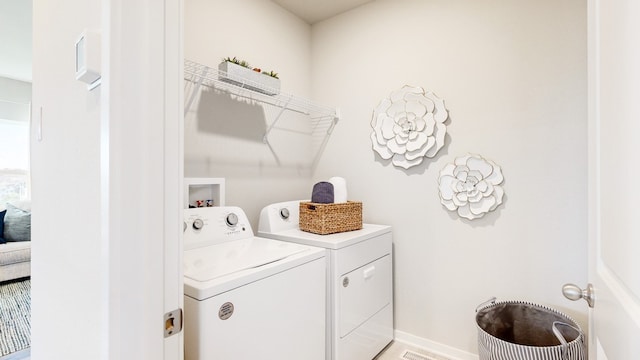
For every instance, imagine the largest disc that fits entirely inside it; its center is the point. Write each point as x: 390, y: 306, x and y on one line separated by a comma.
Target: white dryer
x: 248, y: 297
x: 359, y: 281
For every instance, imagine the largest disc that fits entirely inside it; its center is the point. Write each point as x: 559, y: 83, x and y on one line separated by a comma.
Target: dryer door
x: 363, y: 292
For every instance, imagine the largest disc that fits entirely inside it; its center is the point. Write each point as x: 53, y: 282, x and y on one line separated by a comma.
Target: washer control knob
x: 198, y: 224
x: 232, y: 219
x: 284, y: 213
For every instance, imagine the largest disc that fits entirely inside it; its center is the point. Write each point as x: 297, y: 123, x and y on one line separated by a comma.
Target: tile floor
x: 19, y: 355
x: 400, y: 351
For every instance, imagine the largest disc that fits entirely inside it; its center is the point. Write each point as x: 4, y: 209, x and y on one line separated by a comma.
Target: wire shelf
x: 214, y: 78
x: 322, y: 118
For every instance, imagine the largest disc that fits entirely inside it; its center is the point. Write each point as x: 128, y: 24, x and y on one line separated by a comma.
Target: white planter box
x: 247, y: 78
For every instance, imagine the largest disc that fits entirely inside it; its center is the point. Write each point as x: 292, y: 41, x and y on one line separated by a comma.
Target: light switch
x: 88, y: 65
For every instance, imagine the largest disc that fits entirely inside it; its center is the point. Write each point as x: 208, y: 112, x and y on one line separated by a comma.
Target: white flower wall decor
x: 471, y: 186
x: 409, y: 126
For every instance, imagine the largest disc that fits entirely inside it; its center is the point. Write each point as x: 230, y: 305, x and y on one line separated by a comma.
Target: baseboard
x: 432, y: 346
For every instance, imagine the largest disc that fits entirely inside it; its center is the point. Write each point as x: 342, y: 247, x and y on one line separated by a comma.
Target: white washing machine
x: 248, y: 297
x: 359, y: 281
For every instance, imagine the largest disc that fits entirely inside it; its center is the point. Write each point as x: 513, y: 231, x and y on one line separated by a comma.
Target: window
x: 14, y: 152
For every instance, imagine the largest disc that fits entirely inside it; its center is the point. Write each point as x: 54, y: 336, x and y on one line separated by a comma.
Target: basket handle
x: 491, y: 301
x: 558, y: 334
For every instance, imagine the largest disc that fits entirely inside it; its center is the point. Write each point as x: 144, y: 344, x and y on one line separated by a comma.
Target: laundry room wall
x: 513, y: 77
x: 227, y: 141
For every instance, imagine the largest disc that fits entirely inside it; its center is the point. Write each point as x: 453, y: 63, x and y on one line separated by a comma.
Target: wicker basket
x: 517, y: 330
x: 330, y: 218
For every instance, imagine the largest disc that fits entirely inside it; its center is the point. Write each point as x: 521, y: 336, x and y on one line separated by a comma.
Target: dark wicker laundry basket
x: 515, y: 330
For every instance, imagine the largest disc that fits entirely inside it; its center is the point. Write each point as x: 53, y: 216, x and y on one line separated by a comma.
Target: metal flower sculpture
x: 408, y: 126
x: 471, y: 186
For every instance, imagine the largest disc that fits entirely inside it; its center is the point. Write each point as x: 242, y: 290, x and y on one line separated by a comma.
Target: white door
x: 614, y: 178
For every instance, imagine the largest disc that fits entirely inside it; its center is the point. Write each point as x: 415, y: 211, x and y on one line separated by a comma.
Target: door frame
x: 142, y: 163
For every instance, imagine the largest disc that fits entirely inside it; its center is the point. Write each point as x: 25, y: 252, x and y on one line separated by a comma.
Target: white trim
x: 593, y: 148
x: 105, y: 168
x: 173, y: 169
x: 433, y: 346
x: 142, y: 138
x: 620, y: 292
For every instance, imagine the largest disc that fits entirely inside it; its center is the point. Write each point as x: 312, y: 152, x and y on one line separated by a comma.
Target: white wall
x: 267, y: 36
x: 15, y: 97
x: 513, y: 76
x: 67, y: 260
x: 107, y: 182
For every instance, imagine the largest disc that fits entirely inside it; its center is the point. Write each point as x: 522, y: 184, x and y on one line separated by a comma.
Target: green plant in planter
x: 272, y: 74
x: 243, y: 63
x: 237, y: 62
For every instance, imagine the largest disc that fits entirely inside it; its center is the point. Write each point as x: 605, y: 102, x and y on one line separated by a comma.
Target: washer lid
x: 210, y: 262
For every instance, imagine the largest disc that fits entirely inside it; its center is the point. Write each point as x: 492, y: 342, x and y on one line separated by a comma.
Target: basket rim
x: 579, y: 338
x: 340, y: 203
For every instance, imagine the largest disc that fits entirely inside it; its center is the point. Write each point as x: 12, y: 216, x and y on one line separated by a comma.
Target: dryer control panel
x: 280, y: 217
x: 214, y: 225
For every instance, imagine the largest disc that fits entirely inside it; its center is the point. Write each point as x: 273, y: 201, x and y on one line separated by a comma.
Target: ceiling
x: 313, y: 11
x: 15, y: 37
x: 16, y: 24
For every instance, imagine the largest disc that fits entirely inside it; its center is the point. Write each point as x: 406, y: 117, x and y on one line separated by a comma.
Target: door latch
x: 172, y: 322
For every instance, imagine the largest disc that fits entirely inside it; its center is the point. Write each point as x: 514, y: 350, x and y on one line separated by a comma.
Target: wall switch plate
x: 88, y: 53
